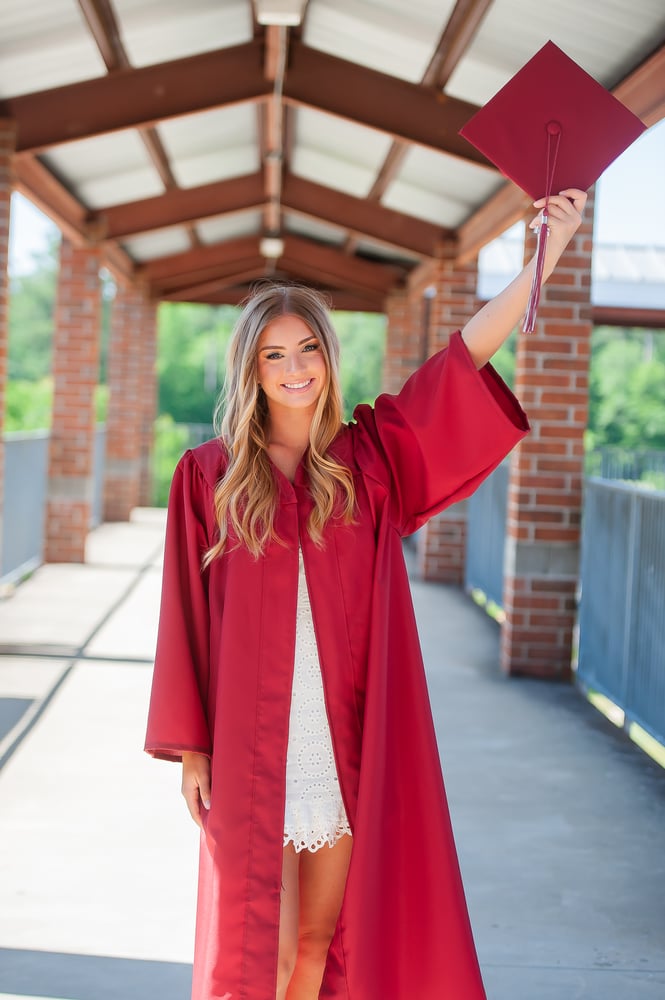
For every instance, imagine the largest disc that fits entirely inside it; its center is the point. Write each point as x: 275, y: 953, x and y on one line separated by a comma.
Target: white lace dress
x: 314, y: 813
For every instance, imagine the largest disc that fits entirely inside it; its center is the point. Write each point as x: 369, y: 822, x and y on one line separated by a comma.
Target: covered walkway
x: 558, y: 816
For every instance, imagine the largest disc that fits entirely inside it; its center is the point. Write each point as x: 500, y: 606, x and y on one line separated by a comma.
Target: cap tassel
x: 537, y: 280
x: 553, y: 139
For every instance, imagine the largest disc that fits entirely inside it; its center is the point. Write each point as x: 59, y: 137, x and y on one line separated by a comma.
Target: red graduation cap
x: 551, y: 127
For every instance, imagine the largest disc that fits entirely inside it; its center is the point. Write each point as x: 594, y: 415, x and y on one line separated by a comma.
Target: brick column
x: 148, y: 395
x: 406, y: 342
x: 545, y: 493
x: 442, y: 542
x: 124, y: 423
x: 75, y: 374
x: 7, y: 140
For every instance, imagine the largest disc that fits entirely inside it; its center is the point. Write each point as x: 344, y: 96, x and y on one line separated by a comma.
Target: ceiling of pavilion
x: 180, y: 134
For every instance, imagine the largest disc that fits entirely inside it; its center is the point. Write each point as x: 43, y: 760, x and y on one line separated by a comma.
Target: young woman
x: 288, y: 676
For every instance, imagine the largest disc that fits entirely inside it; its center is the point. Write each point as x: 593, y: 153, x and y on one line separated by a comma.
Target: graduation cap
x: 551, y: 127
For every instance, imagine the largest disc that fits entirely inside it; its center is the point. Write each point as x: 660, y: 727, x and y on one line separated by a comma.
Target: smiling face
x: 291, y: 367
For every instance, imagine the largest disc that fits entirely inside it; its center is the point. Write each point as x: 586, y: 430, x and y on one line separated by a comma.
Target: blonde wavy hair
x: 246, y: 495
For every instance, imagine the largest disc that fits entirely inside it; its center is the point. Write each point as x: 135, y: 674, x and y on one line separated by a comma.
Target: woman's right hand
x: 196, y: 783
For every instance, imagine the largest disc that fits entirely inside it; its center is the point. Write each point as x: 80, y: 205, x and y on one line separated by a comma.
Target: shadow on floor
x: 91, y: 977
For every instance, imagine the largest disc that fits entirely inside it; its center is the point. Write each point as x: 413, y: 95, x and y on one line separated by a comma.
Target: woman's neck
x: 289, y: 430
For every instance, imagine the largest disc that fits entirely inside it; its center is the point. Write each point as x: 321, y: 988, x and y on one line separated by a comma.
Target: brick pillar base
x: 451, y: 297
x: 7, y: 141
x: 75, y: 373
x: 148, y: 394
x: 124, y: 425
x: 545, y: 492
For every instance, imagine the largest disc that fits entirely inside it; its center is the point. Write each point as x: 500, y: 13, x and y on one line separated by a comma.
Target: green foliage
x: 171, y: 440
x: 504, y: 359
x: 362, y: 339
x: 627, y: 389
x: 29, y: 404
x: 190, y: 361
x: 31, y: 308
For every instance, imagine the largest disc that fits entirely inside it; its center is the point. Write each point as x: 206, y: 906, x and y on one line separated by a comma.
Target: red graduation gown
x: 222, y: 686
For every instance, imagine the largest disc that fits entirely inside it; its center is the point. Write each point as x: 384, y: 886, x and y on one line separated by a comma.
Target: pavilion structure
x: 194, y: 149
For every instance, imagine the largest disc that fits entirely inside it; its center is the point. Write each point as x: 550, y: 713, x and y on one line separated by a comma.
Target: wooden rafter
x: 182, y: 206
x: 134, y: 98
x: 455, y: 38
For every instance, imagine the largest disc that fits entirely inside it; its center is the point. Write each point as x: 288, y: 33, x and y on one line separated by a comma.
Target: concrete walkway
x: 559, y: 819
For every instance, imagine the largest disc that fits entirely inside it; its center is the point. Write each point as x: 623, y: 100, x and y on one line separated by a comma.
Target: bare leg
x: 322, y: 879
x: 288, y: 921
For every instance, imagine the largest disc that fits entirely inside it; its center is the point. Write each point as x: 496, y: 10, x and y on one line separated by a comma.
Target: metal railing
x: 647, y: 466
x: 24, y: 499
x: 622, y: 606
x: 486, y: 535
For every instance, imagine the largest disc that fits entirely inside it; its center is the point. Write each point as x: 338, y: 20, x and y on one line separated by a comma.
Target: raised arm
x: 492, y: 324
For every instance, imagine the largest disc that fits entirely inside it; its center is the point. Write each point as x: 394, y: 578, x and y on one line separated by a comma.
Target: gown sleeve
x: 436, y: 440
x: 177, y: 718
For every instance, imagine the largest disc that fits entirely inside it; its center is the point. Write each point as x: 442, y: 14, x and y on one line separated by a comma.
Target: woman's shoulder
x: 208, y: 460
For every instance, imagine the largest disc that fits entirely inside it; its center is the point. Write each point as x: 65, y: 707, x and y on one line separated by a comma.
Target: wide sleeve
x: 436, y: 440
x: 177, y: 717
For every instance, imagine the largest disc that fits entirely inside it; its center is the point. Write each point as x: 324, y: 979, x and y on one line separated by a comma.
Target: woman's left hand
x: 564, y: 215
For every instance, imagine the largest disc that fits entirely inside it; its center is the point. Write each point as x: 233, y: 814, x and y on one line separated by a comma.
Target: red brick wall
x: 125, y: 413
x: 545, y: 494
x: 75, y: 374
x: 7, y: 137
x: 405, y: 339
x: 148, y: 395
x: 442, y: 542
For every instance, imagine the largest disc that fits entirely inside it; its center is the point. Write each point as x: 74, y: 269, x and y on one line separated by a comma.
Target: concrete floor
x: 559, y: 818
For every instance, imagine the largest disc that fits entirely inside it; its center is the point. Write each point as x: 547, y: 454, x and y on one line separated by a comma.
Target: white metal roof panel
x: 320, y: 137
x: 212, y: 145
x: 466, y: 182
x: 304, y: 226
x: 155, y: 31
x: 606, y: 37
x: 389, y: 254
x: 387, y: 35
x: 440, y: 188
x: 107, y: 170
x: 49, y: 48
x: 438, y: 208
x: 230, y: 227
x: 150, y: 246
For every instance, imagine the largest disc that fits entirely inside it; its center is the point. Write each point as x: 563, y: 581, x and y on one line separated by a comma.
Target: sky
x: 630, y: 204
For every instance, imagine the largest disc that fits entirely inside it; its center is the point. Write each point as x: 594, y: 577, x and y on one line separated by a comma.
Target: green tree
x: 31, y: 312
x: 190, y: 362
x: 627, y: 389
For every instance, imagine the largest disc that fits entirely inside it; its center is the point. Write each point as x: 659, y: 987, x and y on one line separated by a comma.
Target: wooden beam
x: 334, y: 267
x: 236, y: 274
x: 235, y: 295
x: 103, y: 26
x: 181, y: 206
x: 39, y: 185
x: 377, y: 100
x: 643, y: 90
x: 362, y: 216
x: 503, y: 209
x: 653, y: 319
x: 192, y: 262
x: 458, y: 34
x: 132, y: 98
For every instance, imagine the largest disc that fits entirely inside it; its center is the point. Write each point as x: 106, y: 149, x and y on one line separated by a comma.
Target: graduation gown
x: 222, y: 686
